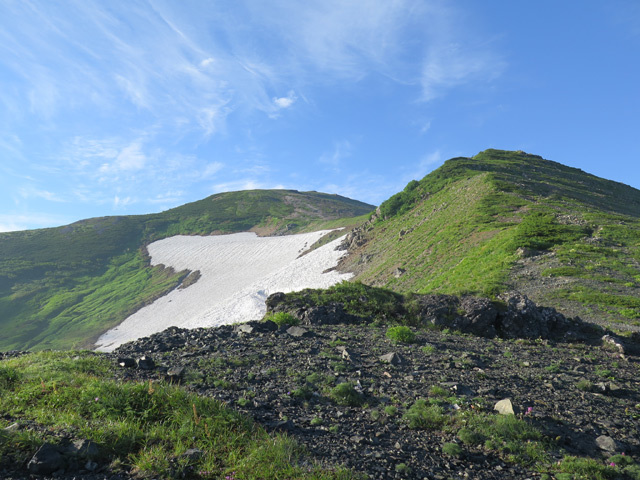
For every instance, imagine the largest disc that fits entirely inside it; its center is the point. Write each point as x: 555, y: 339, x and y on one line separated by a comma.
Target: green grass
x: 424, y: 416
x: 146, y: 427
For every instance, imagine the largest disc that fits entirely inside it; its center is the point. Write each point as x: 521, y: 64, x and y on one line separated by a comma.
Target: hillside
x: 62, y: 287
x: 504, y: 221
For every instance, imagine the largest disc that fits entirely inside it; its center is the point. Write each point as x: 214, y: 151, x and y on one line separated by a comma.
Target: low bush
x: 423, y: 416
x: 346, y: 394
x: 282, y: 318
x: 452, y: 449
x: 401, y: 334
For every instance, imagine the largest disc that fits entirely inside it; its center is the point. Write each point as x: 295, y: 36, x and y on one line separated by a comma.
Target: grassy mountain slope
x: 509, y: 220
x: 62, y: 287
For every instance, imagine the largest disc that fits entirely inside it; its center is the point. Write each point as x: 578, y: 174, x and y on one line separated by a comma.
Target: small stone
x: 126, y: 362
x: 146, y: 363
x: 193, y: 454
x: 85, y: 448
x: 504, y: 407
x: 347, y: 355
x: 91, y: 466
x: 175, y: 373
x: 606, y: 443
x: 392, y: 358
x: 245, y: 328
x: 298, y: 332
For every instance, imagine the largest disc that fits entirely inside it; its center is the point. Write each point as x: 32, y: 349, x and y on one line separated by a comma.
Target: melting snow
x: 238, y: 272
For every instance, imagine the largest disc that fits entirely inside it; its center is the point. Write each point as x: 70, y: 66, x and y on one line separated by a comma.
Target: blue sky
x: 127, y: 107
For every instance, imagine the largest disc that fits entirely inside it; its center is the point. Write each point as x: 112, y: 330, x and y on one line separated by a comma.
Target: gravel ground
x: 283, y: 379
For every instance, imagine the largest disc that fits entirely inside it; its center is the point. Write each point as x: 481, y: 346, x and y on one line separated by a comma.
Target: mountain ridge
x: 61, y: 287
x: 503, y: 221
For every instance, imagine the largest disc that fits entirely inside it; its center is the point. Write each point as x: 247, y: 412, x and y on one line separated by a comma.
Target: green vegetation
x: 452, y: 449
x: 357, y: 298
x: 346, y: 394
x: 143, y: 427
x: 421, y: 415
x: 401, y: 334
x: 63, y: 287
x: 575, y: 468
x: 282, y: 318
x: 465, y: 227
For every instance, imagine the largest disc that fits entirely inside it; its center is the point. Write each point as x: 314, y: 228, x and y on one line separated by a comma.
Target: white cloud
x: 122, y: 202
x: 285, y: 102
x: 131, y: 158
x: 207, y: 62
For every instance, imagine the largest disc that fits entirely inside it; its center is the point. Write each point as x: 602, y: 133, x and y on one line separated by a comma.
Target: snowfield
x: 238, y: 272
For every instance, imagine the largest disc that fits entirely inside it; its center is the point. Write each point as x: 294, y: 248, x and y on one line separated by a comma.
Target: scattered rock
x: 85, y: 449
x: 126, y: 362
x: 146, y: 363
x: 606, y: 443
x: 174, y: 374
x: 299, y: 332
x: 393, y: 358
x: 504, y: 407
x: 614, y: 342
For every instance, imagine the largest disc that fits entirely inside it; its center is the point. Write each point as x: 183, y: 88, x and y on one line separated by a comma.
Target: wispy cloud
x: 141, y: 84
x: 163, y: 58
x: 32, y: 192
x: 334, y: 158
x: 451, y: 65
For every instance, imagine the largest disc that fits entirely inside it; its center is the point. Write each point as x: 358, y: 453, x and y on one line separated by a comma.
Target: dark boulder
x: 47, y: 460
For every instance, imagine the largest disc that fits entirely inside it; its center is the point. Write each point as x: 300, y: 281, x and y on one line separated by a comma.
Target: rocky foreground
x: 583, y: 396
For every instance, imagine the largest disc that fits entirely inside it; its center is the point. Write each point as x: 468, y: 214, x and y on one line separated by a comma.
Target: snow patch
x: 238, y: 272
